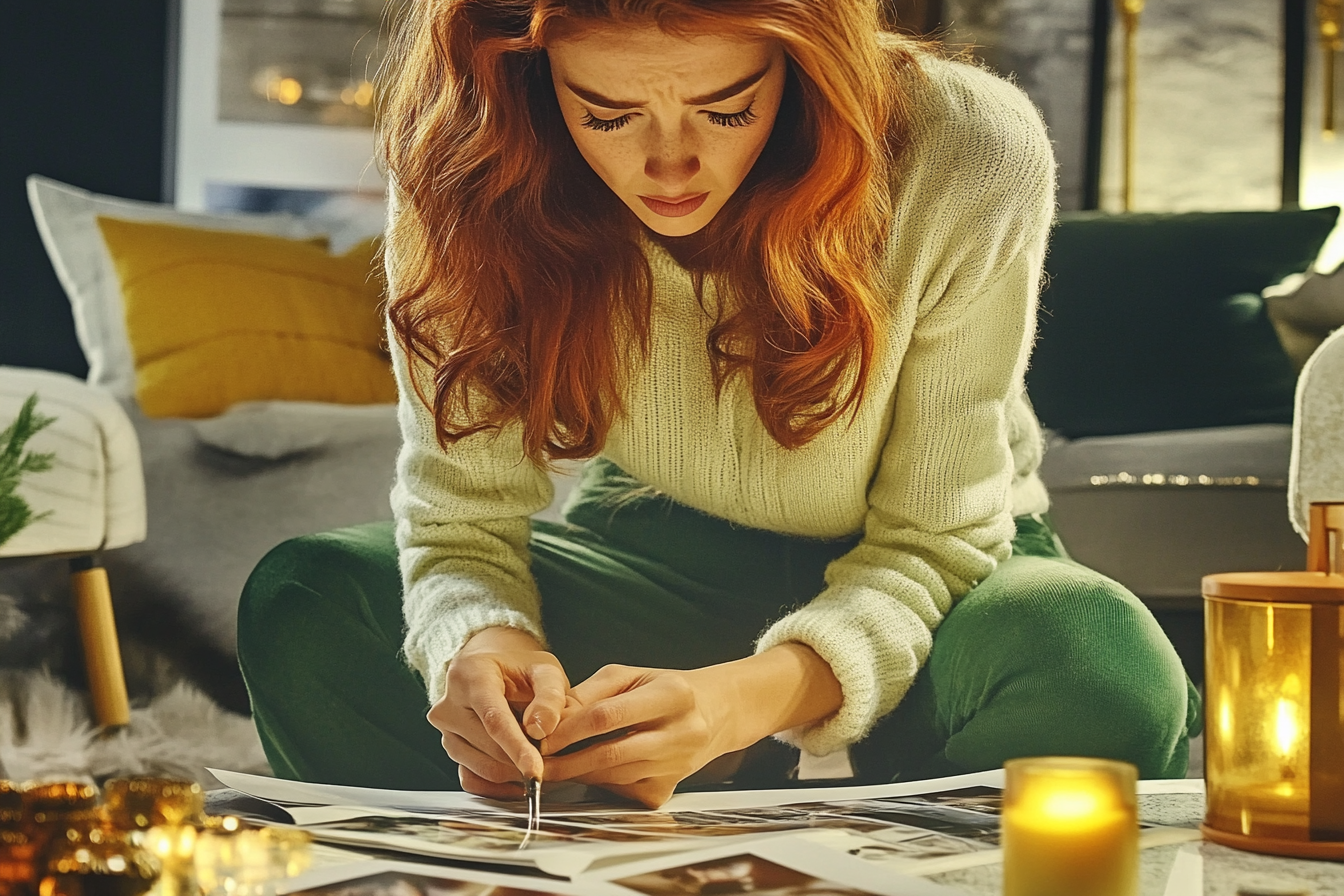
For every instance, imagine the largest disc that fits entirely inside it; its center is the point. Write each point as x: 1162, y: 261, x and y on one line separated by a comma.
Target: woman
x: 777, y: 273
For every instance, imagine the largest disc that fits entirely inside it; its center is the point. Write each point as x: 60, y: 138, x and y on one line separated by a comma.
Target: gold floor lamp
x: 1330, y: 29
x: 1129, y: 12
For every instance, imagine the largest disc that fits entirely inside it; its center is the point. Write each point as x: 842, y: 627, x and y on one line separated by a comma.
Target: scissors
x: 532, y: 786
x: 532, y: 789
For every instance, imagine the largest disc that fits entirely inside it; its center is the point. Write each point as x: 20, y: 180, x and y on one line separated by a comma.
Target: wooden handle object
x: 1325, y: 547
x: 102, y: 652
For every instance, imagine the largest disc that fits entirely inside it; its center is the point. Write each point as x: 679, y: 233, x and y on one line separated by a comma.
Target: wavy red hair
x: 519, y: 278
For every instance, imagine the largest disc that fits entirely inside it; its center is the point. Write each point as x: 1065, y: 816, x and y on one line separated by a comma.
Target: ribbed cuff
x: 433, y: 638
x: 874, y: 669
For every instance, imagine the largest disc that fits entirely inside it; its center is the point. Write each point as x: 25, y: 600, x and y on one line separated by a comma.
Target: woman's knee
x: 305, y: 583
x: 1074, y: 656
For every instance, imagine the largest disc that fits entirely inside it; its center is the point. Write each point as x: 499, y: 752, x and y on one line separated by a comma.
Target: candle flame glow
x: 1285, y: 727
x: 1069, y: 804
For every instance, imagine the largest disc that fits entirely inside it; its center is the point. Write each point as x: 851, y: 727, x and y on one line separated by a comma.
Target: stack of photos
x: 784, y: 866
x: 897, y: 831
x: 720, y: 842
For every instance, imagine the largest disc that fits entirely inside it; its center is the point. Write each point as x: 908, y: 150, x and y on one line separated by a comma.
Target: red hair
x: 519, y: 278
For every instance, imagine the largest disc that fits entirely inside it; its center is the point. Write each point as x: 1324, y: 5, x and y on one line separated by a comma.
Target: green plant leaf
x: 15, y: 514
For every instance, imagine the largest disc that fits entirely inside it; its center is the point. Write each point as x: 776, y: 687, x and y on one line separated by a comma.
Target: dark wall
x: 86, y: 106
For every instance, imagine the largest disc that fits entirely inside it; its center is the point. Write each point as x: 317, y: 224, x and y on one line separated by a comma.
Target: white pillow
x: 1313, y: 302
x: 66, y: 219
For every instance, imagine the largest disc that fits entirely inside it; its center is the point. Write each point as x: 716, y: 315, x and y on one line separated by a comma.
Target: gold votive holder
x: 173, y: 847
x: 1070, y: 827
x: 143, y: 803
x: 235, y: 859
x: 87, y: 857
x: 18, y: 850
x: 49, y: 806
x: 1274, y: 735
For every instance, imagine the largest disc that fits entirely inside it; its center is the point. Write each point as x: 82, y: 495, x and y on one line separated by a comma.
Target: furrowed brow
x: 716, y: 96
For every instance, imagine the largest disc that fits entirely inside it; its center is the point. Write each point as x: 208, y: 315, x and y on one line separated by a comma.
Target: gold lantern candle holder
x: 1274, y: 736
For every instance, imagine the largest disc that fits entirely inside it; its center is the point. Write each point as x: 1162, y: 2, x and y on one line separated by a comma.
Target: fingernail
x: 535, y: 731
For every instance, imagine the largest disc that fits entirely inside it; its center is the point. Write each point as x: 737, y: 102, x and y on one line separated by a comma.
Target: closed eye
x: 592, y: 122
x: 722, y: 119
x: 733, y: 119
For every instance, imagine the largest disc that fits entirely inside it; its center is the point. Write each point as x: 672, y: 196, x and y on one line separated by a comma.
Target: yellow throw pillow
x: 216, y: 318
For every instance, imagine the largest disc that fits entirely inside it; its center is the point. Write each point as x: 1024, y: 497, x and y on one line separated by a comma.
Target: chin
x: 675, y: 226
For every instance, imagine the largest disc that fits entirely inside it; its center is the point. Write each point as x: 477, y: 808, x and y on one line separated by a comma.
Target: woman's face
x: 671, y: 124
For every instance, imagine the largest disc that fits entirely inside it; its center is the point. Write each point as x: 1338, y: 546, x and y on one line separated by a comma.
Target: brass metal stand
x: 1330, y: 30
x: 102, y: 651
x: 1129, y: 12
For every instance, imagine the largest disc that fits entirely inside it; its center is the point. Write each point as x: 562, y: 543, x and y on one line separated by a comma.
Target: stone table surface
x: 1202, y: 869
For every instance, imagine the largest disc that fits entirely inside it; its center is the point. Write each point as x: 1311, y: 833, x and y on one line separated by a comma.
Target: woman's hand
x: 502, y: 688
x: 661, y: 726
x: 656, y: 727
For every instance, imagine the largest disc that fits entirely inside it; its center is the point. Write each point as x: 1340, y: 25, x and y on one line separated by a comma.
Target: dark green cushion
x: 1155, y: 322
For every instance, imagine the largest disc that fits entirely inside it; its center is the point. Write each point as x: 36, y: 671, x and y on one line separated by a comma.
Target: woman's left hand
x: 670, y: 723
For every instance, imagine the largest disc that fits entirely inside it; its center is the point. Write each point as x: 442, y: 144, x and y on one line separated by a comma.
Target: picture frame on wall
x: 274, y: 95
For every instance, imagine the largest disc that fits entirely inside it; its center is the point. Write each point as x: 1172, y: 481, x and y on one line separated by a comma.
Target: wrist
x: 500, y: 638
x: 785, y: 687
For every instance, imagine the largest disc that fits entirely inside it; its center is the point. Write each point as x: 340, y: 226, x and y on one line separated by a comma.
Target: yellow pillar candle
x: 1070, y: 828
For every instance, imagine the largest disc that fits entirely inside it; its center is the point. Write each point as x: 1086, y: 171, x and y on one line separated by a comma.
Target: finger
x: 474, y: 783
x: 652, y: 792
x: 468, y: 726
x: 461, y: 721
x: 496, y: 717
x: 639, y: 748
x: 549, y: 687
x: 630, y: 709
x: 622, y: 776
x: 466, y: 755
x: 606, y: 682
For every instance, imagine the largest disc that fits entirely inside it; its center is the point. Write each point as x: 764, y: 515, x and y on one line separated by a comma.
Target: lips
x: 674, y: 209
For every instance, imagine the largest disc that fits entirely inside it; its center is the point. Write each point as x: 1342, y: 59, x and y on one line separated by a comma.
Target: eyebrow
x: 716, y: 96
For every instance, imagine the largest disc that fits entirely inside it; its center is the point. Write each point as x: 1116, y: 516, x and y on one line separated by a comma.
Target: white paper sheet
x: 896, y: 824
x: 916, y: 828
x: 1187, y: 874
x: 300, y: 793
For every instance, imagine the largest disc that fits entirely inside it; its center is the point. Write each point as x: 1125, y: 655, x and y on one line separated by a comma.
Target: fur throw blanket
x: 46, y: 733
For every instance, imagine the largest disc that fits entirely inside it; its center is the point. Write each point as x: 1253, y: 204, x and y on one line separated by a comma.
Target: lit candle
x: 1070, y: 828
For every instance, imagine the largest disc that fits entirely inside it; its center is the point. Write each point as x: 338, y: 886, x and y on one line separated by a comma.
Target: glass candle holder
x: 173, y: 846
x: 18, y: 851
x: 49, y: 805
x: 1274, y: 736
x: 1070, y: 827
x: 87, y: 857
x: 233, y: 859
x: 142, y: 803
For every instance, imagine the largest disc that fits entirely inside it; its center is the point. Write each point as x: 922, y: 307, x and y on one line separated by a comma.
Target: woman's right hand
x: 499, y: 685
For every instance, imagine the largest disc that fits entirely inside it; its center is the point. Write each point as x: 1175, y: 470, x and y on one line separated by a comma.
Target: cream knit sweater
x: 940, y: 456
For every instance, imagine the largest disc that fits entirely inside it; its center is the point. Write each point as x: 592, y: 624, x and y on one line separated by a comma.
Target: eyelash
x: 727, y: 120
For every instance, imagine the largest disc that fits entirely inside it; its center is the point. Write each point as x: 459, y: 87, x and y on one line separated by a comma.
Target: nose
x: 671, y: 160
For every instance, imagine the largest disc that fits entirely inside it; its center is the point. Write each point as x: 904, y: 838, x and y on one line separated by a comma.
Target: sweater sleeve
x: 462, y: 533
x: 939, y: 518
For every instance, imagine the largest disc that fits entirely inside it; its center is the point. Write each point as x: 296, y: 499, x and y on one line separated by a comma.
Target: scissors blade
x: 532, y: 788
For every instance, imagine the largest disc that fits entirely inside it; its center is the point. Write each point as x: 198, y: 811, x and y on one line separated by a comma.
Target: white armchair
x: 1316, y: 469
x: 91, y: 500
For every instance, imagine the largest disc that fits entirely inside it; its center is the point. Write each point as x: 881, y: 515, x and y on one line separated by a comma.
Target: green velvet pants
x: 1043, y: 657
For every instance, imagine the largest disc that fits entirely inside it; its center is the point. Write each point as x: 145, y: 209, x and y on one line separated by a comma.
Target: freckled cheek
x: 613, y: 163
x: 737, y: 160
